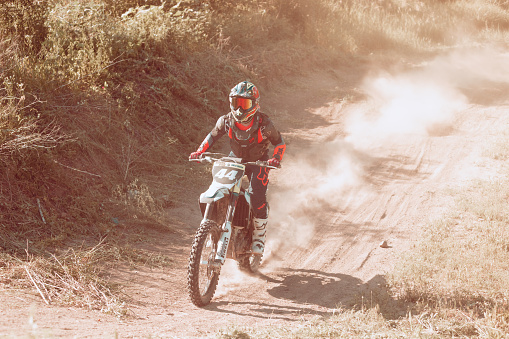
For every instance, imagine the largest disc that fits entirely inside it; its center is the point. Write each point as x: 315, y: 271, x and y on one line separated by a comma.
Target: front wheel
x: 202, y: 275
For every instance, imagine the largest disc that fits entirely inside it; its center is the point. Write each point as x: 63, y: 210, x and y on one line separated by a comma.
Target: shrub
x: 24, y: 21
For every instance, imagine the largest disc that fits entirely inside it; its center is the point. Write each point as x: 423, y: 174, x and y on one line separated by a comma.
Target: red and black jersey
x: 250, y: 144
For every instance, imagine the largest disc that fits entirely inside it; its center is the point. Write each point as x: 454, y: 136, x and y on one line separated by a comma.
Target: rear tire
x: 250, y: 264
x: 202, y: 278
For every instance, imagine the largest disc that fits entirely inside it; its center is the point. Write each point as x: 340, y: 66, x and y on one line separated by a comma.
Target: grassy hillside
x: 101, y: 101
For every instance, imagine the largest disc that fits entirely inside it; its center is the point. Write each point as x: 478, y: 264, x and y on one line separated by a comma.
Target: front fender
x: 214, y: 193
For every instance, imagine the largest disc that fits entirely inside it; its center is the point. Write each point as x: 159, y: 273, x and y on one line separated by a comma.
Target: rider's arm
x: 276, y: 139
x: 279, y: 149
x: 217, y: 132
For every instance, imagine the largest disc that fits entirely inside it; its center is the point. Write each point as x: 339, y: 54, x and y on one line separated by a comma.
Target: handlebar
x: 213, y: 157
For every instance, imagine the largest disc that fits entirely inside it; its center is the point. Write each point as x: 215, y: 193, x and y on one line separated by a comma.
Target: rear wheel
x: 250, y: 264
x: 202, y: 276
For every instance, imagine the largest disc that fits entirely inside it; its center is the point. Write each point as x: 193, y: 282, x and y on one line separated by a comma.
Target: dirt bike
x: 226, y: 228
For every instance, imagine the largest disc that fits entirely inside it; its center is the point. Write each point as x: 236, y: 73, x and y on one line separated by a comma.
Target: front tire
x: 202, y: 276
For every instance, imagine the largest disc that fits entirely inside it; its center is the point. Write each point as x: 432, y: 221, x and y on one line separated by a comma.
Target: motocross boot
x: 259, y: 233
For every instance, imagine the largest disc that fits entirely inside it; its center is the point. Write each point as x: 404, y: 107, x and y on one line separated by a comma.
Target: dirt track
x: 346, y: 186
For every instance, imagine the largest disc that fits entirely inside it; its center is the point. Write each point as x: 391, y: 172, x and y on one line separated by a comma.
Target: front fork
x: 226, y: 229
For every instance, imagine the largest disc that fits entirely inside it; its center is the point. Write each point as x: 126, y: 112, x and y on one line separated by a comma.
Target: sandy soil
x: 371, y: 157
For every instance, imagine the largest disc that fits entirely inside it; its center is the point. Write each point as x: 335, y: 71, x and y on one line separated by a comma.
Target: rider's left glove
x: 195, y: 155
x: 274, y: 162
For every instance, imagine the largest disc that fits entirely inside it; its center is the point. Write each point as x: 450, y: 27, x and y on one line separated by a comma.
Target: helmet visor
x: 242, y: 103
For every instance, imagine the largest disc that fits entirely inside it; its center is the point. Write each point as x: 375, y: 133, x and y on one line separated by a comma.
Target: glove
x: 273, y: 162
x: 195, y: 155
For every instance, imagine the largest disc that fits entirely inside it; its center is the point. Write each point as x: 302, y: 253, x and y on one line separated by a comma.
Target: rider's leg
x: 259, y: 235
x: 258, y: 189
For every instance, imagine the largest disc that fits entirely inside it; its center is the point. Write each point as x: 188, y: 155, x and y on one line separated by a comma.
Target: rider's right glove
x: 273, y: 162
x: 195, y: 155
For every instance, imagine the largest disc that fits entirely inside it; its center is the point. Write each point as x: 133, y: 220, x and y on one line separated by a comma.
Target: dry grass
x: 75, y: 277
x: 20, y: 130
x: 461, y: 265
x: 369, y: 323
x: 78, y: 276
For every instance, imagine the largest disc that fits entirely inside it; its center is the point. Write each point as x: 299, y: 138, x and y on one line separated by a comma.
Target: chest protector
x: 251, y: 144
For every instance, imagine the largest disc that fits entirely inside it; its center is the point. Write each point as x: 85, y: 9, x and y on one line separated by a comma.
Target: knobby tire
x: 250, y: 264
x: 201, y: 291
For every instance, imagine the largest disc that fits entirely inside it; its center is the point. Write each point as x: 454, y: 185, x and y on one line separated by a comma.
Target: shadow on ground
x: 336, y: 290
x: 310, y: 288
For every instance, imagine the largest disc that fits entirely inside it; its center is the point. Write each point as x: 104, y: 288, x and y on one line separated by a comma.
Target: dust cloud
x: 426, y: 99
x: 319, y: 181
x: 322, y: 180
x: 403, y: 104
x: 232, y: 279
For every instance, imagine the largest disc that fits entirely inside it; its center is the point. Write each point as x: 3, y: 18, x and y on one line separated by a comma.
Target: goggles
x: 240, y: 102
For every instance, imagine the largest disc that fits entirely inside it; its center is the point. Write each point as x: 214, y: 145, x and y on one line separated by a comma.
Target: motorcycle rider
x: 250, y: 132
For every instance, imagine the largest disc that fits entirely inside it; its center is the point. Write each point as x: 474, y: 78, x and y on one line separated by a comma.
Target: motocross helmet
x: 244, y: 101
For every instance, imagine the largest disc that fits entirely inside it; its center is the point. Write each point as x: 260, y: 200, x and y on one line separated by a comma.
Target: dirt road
x: 371, y: 157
